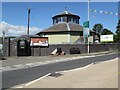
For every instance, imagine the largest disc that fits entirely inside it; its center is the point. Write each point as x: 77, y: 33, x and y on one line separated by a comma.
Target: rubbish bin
x: 23, y: 48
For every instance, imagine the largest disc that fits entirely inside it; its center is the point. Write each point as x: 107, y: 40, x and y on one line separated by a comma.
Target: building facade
x: 65, y: 30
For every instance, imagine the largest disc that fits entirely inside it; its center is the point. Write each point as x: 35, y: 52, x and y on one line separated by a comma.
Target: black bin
x: 23, y: 48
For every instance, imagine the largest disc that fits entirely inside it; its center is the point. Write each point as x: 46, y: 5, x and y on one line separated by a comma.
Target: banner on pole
x: 86, y: 24
x: 86, y: 32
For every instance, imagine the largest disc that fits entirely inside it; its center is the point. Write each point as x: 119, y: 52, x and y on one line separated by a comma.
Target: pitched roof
x: 60, y: 27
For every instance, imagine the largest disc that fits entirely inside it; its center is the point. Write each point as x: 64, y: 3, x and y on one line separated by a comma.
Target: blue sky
x: 15, y: 13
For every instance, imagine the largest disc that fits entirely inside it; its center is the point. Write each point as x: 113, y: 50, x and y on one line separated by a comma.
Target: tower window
x: 64, y: 19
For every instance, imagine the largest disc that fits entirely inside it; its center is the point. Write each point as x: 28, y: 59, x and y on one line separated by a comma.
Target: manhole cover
x: 56, y: 74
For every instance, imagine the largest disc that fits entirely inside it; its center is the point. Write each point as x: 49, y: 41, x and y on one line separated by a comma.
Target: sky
x: 14, y: 15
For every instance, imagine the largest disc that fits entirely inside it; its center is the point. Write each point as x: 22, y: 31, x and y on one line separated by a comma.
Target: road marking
x: 28, y: 65
x: 55, y: 72
x: 19, y: 66
x: 87, y: 66
x: 19, y: 87
x: 37, y: 79
x: 76, y: 68
x: 110, y: 60
x: 29, y: 83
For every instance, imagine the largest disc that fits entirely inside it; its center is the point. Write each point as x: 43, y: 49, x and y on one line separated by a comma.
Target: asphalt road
x: 15, y: 77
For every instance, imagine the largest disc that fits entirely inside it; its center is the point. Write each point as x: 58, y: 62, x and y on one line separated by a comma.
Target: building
x: 65, y: 30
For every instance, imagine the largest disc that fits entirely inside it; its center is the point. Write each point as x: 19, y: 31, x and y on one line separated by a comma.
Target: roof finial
x: 65, y: 8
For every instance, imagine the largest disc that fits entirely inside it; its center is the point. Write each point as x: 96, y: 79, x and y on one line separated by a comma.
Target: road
x: 15, y: 77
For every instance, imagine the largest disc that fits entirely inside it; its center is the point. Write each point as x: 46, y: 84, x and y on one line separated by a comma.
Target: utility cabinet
x: 23, y: 47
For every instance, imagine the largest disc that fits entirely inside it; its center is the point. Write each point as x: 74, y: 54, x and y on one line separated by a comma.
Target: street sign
x: 86, y: 24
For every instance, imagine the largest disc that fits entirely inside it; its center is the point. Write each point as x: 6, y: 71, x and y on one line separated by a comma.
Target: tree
x: 106, y: 32
x: 98, y: 28
x: 118, y: 27
x: 117, y: 36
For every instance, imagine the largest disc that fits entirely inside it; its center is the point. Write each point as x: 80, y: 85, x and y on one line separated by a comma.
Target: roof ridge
x: 68, y: 26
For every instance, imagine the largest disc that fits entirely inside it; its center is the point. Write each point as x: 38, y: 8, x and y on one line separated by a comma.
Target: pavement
x: 13, y: 63
x: 99, y: 75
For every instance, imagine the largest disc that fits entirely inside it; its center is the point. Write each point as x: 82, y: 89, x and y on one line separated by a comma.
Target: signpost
x: 86, y: 32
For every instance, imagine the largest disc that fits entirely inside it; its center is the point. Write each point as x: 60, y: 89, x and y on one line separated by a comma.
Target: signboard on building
x: 39, y: 41
x: 106, y: 38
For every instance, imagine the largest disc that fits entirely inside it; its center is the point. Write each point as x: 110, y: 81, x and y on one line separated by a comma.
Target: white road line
x: 21, y: 66
x: 28, y: 64
x: 19, y: 87
x: 55, y: 72
x: 37, y: 79
x: 110, y: 60
x: 62, y: 72
x: 86, y: 66
x: 76, y: 68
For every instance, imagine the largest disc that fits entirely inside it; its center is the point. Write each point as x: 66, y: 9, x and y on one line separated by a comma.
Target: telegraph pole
x: 88, y: 50
x: 28, y: 22
x: 28, y: 40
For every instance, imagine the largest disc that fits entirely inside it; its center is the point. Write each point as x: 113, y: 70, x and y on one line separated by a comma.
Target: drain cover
x: 55, y: 74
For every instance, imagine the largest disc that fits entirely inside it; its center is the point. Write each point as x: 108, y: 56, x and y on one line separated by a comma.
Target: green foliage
x: 98, y: 28
x: 117, y: 35
x: 118, y: 27
x: 106, y: 32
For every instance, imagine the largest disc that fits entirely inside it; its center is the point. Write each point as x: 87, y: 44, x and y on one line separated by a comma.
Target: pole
x: 28, y: 40
x: 28, y: 22
x: 88, y: 22
x: 3, y: 40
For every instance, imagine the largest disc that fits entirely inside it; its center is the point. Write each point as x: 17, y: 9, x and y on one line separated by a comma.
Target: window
x: 64, y: 19
x: 59, y: 19
x: 76, y: 20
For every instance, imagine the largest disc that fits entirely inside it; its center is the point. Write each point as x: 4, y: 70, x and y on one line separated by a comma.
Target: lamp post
x: 88, y: 50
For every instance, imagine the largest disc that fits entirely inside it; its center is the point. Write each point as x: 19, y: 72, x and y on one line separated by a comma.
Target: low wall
x: 10, y: 48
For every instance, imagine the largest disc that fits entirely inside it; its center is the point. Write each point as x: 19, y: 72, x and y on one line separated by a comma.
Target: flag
x: 105, y: 12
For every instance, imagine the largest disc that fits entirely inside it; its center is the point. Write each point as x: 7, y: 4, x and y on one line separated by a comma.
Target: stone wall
x: 10, y: 48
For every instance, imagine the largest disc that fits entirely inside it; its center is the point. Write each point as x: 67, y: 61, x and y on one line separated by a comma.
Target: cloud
x: 13, y: 30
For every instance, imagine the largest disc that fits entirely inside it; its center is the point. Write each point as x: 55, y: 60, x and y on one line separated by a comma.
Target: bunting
x: 105, y: 12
